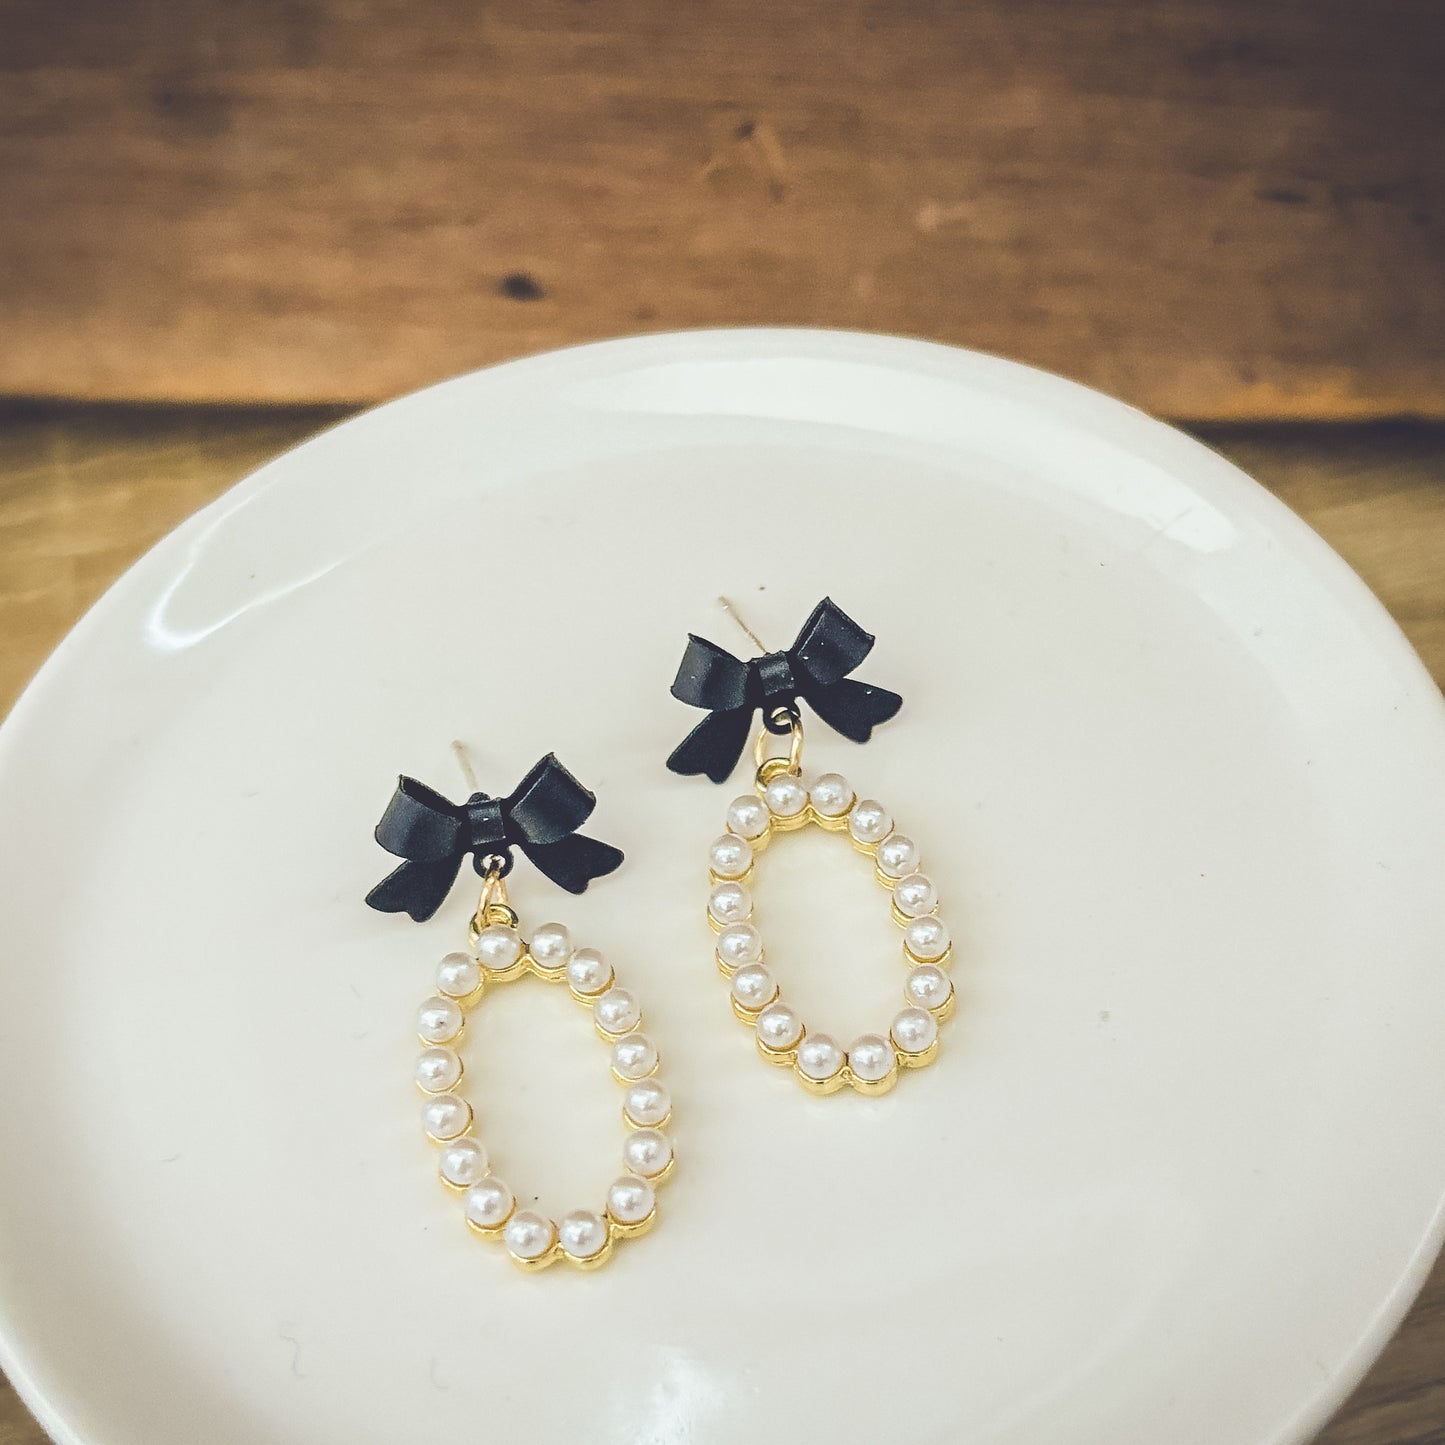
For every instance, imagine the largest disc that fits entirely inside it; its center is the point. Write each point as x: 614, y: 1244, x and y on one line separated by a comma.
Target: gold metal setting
x: 628, y: 1083
x: 770, y: 766
x: 493, y: 907
x: 494, y: 912
x: 619, y: 1230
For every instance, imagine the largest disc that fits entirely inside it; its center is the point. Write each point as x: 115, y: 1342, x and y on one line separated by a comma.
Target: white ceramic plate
x: 1179, y: 1167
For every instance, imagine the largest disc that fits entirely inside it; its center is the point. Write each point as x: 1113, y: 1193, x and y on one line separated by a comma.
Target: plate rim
x: 751, y: 344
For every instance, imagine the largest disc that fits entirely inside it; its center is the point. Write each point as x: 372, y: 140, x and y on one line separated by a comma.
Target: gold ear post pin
x: 778, y: 713
x: 464, y: 762
x: 752, y: 636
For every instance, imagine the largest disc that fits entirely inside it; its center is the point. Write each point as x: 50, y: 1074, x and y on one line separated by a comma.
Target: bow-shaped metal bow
x: 433, y: 835
x: 815, y: 667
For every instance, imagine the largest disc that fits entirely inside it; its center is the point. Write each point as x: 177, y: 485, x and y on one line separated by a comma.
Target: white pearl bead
x: 463, y: 1162
x: 634, y: 1057
x: 819, y: 1057
x: 438, y: 1020
x: 753, y: 987
x: 529, y: 1235
x: 927, y: 986
x: 438, y: 1069
x: 647, y: 1152
x: 779, y: 1027
x: 897, y: 856
x: 870, y: 821
x: 488, y: 1203
x: 739, y: 943
x: 914, y: 1030
x: 870, y: 1057
x: 730, y: 856
x: 582, y: 1233
x: 926, y: 938
x: 832, y: 795
x: 446, y: 1116
x: 551, y: 945
x: 730, y: 903
x: 785, y: 796
x: 498, y: 948
x: 748, y: 816
x: 915, y: 895
x: 630, y: 1199
x: 647, y: 1103
x: 616, y: 1012
x: 458, y: 975
x: 588, y: 973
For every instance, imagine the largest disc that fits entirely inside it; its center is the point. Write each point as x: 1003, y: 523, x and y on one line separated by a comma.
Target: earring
x: 814, y: 669
x: 433, y: 835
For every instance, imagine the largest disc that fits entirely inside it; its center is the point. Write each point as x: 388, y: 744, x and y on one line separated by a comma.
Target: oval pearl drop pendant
x: 583, y: 1237
x: 871, y: 1064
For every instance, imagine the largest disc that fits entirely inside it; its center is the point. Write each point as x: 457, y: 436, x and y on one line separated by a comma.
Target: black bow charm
x: 433, y: 835
x: 815, y: 667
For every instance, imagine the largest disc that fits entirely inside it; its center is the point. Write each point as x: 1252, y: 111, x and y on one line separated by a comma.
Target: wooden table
x: 84, y: 489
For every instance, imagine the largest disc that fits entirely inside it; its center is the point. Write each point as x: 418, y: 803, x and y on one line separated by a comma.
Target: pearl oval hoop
x: 583, y: 1237
x: 871, y: 1063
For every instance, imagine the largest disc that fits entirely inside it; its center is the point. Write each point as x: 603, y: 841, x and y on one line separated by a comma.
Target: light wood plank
x: 1377, y: 496
x: 83, y: 492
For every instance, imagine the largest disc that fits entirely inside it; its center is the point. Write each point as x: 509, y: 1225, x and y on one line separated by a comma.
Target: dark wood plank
x: 1214, y: 208
x: 84, y: 490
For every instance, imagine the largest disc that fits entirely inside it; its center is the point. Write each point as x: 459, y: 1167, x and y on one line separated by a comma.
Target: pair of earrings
x: 433, y: 836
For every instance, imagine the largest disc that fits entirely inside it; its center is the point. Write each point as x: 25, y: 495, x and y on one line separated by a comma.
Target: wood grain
x: 1214, y: 208
x: 84, y: 490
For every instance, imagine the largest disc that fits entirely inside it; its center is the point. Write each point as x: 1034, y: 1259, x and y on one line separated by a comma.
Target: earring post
x: 464, y: 762
x: 752, y: 636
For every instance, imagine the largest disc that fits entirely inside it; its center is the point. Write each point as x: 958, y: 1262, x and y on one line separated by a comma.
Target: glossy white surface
x: 1180, y: 1161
